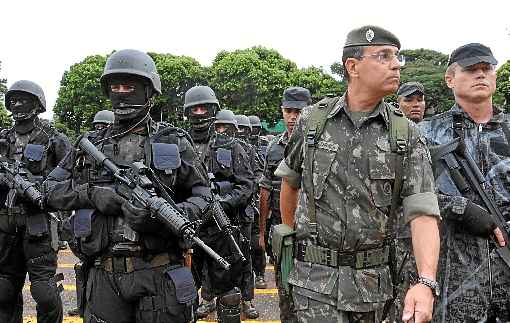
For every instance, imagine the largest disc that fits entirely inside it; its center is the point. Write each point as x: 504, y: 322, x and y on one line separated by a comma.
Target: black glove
x: 139, y: 219
x: 477, y: 221
x: 106, y: 200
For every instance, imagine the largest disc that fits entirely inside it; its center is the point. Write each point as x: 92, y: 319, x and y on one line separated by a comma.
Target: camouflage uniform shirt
x: 464, y: 259
x: 353, y: 173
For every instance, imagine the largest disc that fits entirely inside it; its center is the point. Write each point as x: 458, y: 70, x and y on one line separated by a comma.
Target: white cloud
x: 42, y: 39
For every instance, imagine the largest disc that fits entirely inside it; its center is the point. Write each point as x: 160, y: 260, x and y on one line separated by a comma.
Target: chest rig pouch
x: 37, y: 223
x: 224, y: 158
x: 34, y: 157
x: 166, y: 157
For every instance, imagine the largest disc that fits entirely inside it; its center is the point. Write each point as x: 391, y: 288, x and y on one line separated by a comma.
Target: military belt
x: 333, y: 258
x: 129, y: 264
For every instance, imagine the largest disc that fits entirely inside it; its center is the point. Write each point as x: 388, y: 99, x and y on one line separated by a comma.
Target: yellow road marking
x: 66, y: 266
x: 71, y: 266
x: 32, y: 319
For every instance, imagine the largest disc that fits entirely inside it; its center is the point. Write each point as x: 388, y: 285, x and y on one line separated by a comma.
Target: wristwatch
x: 432, y: 284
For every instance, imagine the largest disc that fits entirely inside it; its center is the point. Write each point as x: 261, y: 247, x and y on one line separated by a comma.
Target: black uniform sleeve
x: 193, y: 191
x: 243, y: 179
x: 63, y: 193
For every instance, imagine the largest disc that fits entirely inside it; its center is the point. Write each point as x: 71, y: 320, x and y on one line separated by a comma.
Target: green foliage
x: 80, y: 96
x: 251, y: 81
x: 428, y: 67
x: 502, y: 95
x: 317, y: 81
x: 178, y: 74
x: 5, y: 121
x: 338, y: 69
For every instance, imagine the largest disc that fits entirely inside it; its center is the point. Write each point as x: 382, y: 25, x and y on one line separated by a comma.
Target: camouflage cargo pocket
x: 315, y: 281
x: 374, y: 285
x: 325, y: 154
x: 382, y: 176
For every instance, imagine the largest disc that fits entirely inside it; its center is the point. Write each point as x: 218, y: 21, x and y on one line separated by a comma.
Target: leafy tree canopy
x: 5, y: 121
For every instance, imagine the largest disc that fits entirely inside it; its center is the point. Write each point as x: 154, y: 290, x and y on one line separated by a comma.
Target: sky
x: 42, y: 39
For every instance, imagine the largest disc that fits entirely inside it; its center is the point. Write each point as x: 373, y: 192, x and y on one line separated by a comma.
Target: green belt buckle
x: 371, y: 258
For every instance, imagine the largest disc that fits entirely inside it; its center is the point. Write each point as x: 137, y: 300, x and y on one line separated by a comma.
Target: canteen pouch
x: 283, y: 249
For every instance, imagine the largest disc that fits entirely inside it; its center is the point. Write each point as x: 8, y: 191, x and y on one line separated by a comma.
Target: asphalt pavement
x: 266, y: 300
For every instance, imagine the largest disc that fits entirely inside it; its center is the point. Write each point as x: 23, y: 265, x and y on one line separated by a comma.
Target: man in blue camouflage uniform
x: 294, y: 100
x: 475, y: 281
x: 344, y: 178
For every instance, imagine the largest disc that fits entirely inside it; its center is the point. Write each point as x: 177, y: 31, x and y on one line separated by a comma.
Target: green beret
x: 371, y: 36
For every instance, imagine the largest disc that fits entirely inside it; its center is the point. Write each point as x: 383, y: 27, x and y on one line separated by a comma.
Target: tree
x: 338, y: 69
x: 502, y: 95
x: 5, y: 121
x: 251, y: 81
x: 178, y: 74
x: 80, y: 96
x: 317, y: 81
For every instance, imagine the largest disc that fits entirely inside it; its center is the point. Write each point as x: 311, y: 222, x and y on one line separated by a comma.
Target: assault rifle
x: 16, y: 177
x: 468, y: 178
x: 135, y: 185
x: 221, y: 218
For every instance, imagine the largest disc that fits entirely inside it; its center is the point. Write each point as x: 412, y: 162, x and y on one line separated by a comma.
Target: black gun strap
x: 458, y: 125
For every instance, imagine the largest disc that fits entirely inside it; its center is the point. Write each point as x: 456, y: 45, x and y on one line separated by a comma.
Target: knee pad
x: 228, y: 306
x: 46, y: 294
x: 7, y: 290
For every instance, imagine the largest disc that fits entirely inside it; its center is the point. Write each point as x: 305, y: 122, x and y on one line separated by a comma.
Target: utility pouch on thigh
x: 283, y: 250
x: 185, y: 290
x: 37, y: 225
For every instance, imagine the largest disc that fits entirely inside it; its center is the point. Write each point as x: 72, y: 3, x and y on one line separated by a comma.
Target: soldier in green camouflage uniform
x: 294, y: 100
x: 344, y: 177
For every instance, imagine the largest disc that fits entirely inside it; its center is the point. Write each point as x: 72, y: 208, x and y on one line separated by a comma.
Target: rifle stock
x: 468, y: 178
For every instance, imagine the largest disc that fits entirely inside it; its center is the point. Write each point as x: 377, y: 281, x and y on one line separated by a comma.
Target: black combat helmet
x: 104, y: 116
x: 256, y: 127
x: 201, y: 95
x: 244, y: 126
x: 27, y: 87
x: 131, y: 62
x: 255, y: 121
x: 228, y: 118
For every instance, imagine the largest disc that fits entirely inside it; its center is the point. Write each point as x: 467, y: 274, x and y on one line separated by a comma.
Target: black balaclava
x: 130, y: 108
x: 202, y: 124
x: 244, y: 133
x: 254, y: 135
x: 24, y: 108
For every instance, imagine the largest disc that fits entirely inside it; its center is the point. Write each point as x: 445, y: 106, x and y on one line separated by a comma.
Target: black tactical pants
x: 21, y: 254
x: 258, y: 256
x: 248, y: 282
x: 141, y: 296
x: 217, y: 281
